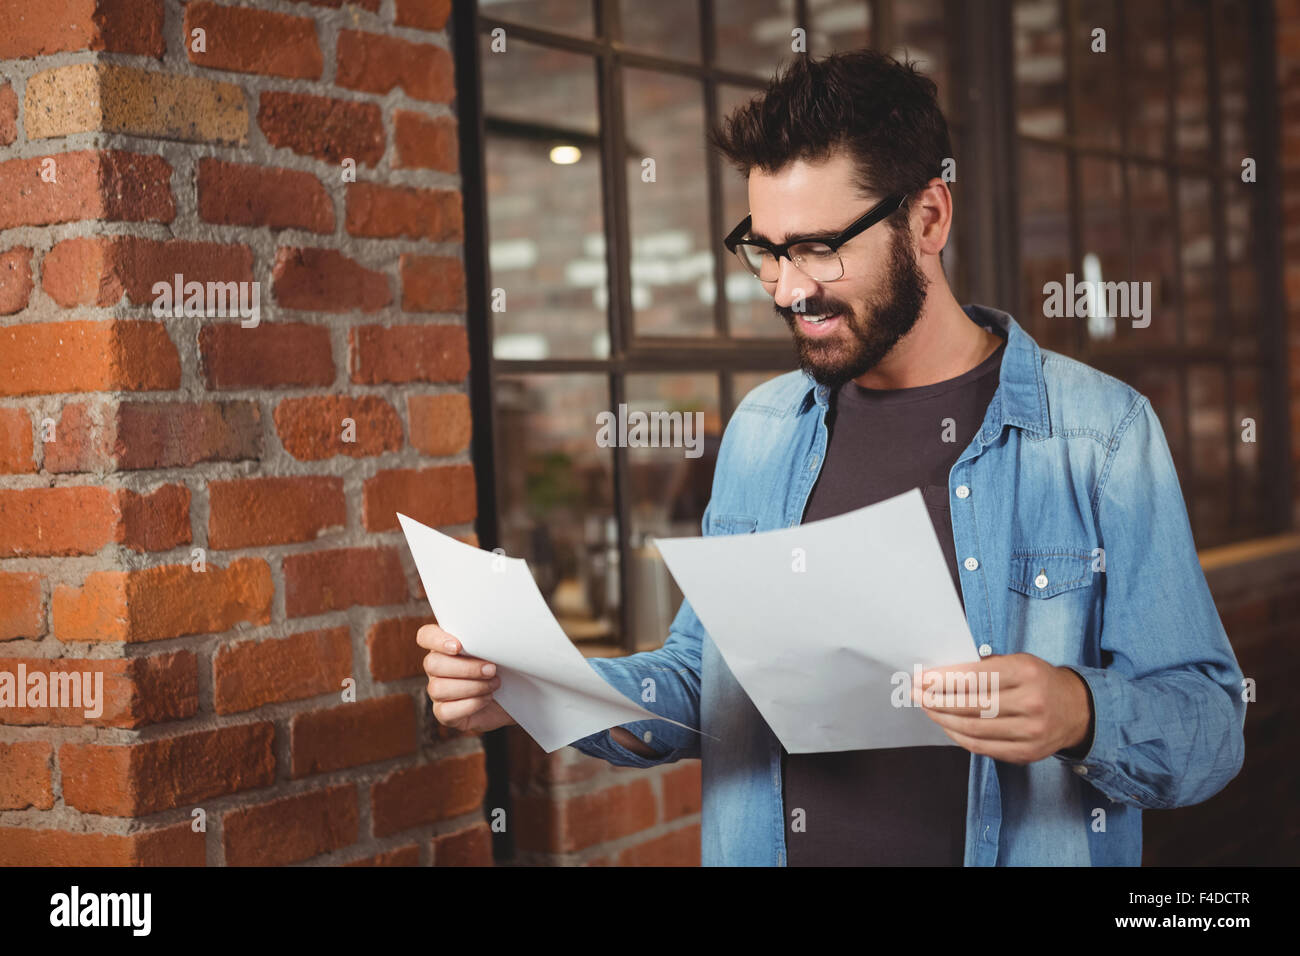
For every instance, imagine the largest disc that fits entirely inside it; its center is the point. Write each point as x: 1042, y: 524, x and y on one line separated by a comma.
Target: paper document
x: 817, y: 622
x: 491, y: 604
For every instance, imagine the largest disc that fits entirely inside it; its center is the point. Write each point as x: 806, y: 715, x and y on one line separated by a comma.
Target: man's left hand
x: 1037, y: 708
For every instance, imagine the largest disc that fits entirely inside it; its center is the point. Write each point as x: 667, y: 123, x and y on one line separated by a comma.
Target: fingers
x: 437, y: 664
x: 442, y: 688
x: 451, y: 711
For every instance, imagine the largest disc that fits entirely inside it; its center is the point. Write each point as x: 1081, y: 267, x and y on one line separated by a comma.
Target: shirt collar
x: 1021, y: 397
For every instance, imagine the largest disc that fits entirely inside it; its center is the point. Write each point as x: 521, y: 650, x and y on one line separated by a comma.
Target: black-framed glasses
x: 817, y: 257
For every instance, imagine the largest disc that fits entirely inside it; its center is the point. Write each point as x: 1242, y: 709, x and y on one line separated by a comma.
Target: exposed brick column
x: 203, y: 510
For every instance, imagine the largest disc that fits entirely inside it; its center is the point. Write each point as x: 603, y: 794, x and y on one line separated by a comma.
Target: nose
x: 792, y: 286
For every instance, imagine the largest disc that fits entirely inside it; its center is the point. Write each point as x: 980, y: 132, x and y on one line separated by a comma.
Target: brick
x: 133, y: 780
x: 100, y: 270
x: 392, y: 648
x: 110, y: 185
x: 422, y: 14
x: 16, y: 447
x: 377, y: 211
x: 432, y: 284
x: 531, y: 767
x: 113, y: 355
x: 25, y: 775
x: 325, y: 280
x: 57, y: 521
x: 471, y: 846
x: 83, y: 438
x: 248, y: 512
x: 251, y: 674
x: 15, y: 279
x: 176, y: 845
x: 440, y: 424
x: 236, y: 194
x: 425, y: 142
x: 365, y: 731
x: 381, y: 355
x: 679, y: 848
x: 136, y: 691
x: 8, y: 114
x: 549, y: 825
x: 432, y: 496
x: 681, y: 790
x: 322, y: 581
x: 180, y: 434
x: 371, y: 5
x: 254, y: 41
x: 154, y: 604
x: 375, y: 63
x: 108, y: 98
x: 269, y: 355
x: 415, y: 796
x: 402, y: 856
x: 292, y: 829
x: 30, y: 28
x: 22, y: 609
x: 328, y: 129
x: 313, y: 428
x: 157, y: 521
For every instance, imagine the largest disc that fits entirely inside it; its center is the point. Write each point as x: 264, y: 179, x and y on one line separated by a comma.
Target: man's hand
x: 1038, y: 709
x: 460, y: 686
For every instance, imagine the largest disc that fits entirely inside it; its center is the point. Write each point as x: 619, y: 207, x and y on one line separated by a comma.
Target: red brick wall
x: 129, y: 441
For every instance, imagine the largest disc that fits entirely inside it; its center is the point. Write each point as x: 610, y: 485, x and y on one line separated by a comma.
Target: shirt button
x: 1081, y: 770
x: 648, y: 736
x: 1040, y: 582
x: 971, y: 564
x: 963, y: 491
x: 985, y: 650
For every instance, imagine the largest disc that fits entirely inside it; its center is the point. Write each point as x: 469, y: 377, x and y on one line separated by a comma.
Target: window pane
x: 546, y: 229
x: 555, y: 490
x: 670, y: 486
x: 922, y: 31
x: 1209, y: 455
x: 1196, y: 247
x: 667, y: 27
x: 1233, y: 39
x: 749, y: 305
x: 754, y: 36
x: 1098, y: 107
x: 1151, y: 211
x: 1105, y: 241
x: 838, y: 25
x: 1190, y: 20
x: 563, y: 16
x: 1040, y: 67
x: 1147, y: 79
x: 1044, y: 242
x: 742, y: 383
x: 1243, y: 267
x: 668, y: 205
x: 1252, y: 494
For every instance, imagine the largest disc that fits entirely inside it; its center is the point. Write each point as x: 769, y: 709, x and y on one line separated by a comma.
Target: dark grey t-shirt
x: 903, y: 806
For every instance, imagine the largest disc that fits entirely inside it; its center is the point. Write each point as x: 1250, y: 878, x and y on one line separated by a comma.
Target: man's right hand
x: 460, y: 686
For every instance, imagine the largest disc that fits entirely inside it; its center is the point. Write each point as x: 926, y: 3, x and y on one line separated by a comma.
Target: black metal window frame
x: 1262, y: 136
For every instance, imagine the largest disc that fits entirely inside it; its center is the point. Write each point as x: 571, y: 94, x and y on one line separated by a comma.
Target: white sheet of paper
x: 816, y: 650
x: 491, y: 604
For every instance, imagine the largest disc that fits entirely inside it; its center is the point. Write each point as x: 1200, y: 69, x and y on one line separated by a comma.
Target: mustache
x: 812, y: 308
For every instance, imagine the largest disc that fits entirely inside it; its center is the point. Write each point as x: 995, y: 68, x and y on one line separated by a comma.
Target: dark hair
x: 884, y: 112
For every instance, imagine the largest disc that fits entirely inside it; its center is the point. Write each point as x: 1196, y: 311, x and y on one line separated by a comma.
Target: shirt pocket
x: 1046, y: 572
x: 734, y: 524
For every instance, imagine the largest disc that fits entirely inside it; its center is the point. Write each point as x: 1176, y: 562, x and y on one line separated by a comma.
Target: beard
x: 868, y: 334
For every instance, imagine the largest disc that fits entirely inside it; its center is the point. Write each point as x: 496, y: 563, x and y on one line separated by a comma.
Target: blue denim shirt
x: 1068, y: 460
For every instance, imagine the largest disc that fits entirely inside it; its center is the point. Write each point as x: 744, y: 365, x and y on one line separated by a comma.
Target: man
x: 1050, y: 486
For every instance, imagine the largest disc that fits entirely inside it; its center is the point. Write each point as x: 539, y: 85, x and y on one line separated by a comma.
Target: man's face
x: 881, y: 294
